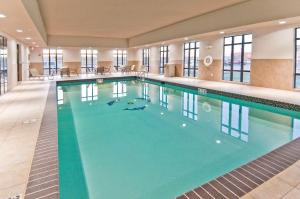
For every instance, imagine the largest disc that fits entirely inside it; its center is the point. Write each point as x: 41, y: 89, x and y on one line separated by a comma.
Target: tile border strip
x: 247, y: 177
x: 278, y: 104
x: 43, y: 179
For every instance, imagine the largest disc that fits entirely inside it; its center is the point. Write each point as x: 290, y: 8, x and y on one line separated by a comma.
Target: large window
x: 191, y: 59
x: 237, y: 58
x: 164, y: 58
x: 120, y: 58
x: 3, y: 65
x: 235, y: 120
x: 88, y: 59
x: 297, y: 60
x: 53, y: 60
x: 146, y: 58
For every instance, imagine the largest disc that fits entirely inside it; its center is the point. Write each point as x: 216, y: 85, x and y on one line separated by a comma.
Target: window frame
x: 232, y: 45
x: 164, y: 49
x: 121, y: 58
x: 50, y: 69
x: 295, y: 62
x: 195, y: 60
x: 94, y: 52
x: 146, y: 58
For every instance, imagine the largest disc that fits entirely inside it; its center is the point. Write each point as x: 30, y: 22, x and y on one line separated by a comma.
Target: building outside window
x: 164, y: 58
x: 52, y: 61
x: 297, y: 59
x: 237, y: 58
x: 119, y: 58
x: 191, y: 59
x: 146, y: 58
x: 89, y: 59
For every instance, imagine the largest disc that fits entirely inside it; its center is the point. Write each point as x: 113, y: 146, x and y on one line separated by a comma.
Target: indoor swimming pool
x: 134, y: 139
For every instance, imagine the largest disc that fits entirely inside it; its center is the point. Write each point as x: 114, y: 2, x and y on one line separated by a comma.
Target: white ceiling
x: 120, y: 18
x: 18, y: 18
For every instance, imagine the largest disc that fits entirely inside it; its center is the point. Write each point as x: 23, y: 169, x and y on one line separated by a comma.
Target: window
x: 119, y: 89
x: 237, y: 58
x: 53, y: 61
x: 3, y: 65
x: 164, y: 58
x: 120, y: 58
x: 163, y: 97
x: 88, y: 59
x: 89, y: 92
x: 146, y: 58
x: 297, y: 59
x: 190, y: 105
x: 191, y: 59
x: 235, y: 120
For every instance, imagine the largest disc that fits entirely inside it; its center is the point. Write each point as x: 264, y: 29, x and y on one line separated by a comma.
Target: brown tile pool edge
x: 43, y: 177
x: 244, y: 179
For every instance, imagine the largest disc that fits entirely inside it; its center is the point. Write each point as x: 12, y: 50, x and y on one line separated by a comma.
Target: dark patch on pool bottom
x: 135, y: 108
x: 110, y: 103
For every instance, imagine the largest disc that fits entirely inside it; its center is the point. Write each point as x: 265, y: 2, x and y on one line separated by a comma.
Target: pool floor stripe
x: 249, y: 176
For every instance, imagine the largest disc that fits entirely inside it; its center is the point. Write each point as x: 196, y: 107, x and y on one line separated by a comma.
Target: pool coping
x: 43, y: 180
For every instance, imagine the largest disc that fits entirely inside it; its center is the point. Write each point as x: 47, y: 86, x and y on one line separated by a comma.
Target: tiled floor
x: 21, y: 113
x: 285, y: 185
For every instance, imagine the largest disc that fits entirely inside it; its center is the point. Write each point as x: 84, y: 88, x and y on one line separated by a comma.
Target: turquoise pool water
x: 146, y: 140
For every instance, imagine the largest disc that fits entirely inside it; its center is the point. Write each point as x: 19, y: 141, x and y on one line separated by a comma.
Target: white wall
x: 274, y: 45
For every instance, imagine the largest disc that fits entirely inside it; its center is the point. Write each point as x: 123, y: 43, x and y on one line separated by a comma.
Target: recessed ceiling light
x: 183, y: 125
x: 186, y: 38
x: 28, y: 38
x: 222, y: 32
x: 2, y: 16
x: 282, y: 22
x: 218, y: 141
x: 19, y: 30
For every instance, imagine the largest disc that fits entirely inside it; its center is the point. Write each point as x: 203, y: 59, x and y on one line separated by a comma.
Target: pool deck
x: 21, y: 117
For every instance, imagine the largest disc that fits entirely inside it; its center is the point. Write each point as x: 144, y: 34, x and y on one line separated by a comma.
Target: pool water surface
x: 143, y: 140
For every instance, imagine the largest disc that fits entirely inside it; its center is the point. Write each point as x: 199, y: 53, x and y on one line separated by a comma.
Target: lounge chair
x: 65, y: 71
x: 35, y: 73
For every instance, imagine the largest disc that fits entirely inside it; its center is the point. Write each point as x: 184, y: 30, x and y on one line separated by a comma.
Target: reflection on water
x: 119, y: 89
x: 163, y: 97
x: 190, y: 105
x: 89, y: 92
x: 235, y: 120
x: 296, y: 128
x: 60, y: 95
x: 146, y: 91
